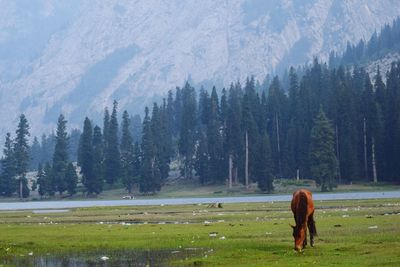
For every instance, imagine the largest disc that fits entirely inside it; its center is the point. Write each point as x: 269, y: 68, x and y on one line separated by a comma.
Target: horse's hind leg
x: 311, y: 228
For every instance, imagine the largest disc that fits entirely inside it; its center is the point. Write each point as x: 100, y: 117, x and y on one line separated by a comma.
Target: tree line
x: 333, y: 125
x: 379, y: 45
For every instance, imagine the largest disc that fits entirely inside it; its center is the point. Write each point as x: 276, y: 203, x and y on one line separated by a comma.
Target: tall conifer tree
x: 112, y: 154
x: 60, y: 156
x: 21, y: 154
x: 264, y: 165
x: 71, y: 179
x: 98, y: 161
x: 8, y: 183
x: 323, y: 160
x: 86, y: 157
x: 188, y: 130
x: 127, y: 154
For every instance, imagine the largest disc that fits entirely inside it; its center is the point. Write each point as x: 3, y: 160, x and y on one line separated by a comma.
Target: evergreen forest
x: 331, y: 123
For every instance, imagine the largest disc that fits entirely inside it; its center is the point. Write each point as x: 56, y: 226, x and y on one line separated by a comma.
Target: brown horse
x: 303, y: 210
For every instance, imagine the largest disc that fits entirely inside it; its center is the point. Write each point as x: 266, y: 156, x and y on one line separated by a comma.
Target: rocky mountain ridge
x: 76, y: 57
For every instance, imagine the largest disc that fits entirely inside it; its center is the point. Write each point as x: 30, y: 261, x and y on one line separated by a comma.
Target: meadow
x: 350, y: 233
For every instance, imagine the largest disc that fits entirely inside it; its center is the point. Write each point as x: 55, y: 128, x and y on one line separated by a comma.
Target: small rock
x: 337, y: 225
x: 30, y: 253
x: 345, y: 216
x: 104, y: 258
x: 373, y: 227
x: 222, y: 238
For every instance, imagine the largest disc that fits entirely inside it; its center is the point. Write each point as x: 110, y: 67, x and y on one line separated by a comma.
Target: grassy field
x: 350, y: 233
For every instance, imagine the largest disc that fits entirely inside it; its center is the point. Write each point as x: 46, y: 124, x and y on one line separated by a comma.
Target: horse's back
x: 302, y: 195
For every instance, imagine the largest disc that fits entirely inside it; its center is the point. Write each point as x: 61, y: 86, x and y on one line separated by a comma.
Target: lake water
x: 109, y: 258
x: 37, y: 205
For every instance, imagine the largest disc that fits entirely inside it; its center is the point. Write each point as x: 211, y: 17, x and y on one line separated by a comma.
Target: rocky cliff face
x: 76, y: 56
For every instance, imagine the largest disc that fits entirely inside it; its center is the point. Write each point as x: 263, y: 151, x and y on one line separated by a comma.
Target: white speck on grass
x: 213, y: 234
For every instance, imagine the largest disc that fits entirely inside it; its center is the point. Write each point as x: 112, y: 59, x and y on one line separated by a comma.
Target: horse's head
x: 299, y: 235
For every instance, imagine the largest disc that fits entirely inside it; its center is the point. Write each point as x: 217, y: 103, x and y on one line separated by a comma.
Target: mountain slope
x: 75, y: 57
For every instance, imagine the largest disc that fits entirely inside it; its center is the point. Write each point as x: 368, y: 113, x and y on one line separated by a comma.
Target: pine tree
x: 86, y: 157
x: 392, y: 123
x: 47, y: 147
x: 347, y: 132
x: 162, y: 139
x: 169, y: 113
x: 71, y: 179
x: 8, y: 183
x: 214, y: 140
x: 21, y: 154
x: 323, y: 160
x: 73, y: 144
x: 106, y: 126
x: 381, y: 109
x: 60, y: 156
x: 136, y: 128
x: 264, y: 165
x: 40, y: 177
x: 224, y: 109
x: 188, y: 130
x: 49, y: 184
x: 277, y: 118
x: 112, y: 154
x: 294, y: 127
x: 137, y: 162
x: 98, y: 161
x: 202, y: 160
x: 150, y: 177
x: 250, y: 130
x: 372, y: 129
x: 234, y: 133
x: 166, y: 149
x: 204, y: 106
x: 34, y: 154
x: 127, y: 154
x: 178, y: 106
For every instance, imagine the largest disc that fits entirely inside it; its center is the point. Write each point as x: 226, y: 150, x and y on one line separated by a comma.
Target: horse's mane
x: 301, y: 213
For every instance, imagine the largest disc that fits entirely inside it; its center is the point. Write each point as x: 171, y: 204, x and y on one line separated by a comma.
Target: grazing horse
x: 303, y: 210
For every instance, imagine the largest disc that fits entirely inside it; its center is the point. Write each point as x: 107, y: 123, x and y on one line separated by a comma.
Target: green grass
x: 256, y: 234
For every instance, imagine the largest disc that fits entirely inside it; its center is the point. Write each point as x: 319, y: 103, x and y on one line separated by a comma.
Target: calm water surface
x: 123, y: 258
x: 36, y: 205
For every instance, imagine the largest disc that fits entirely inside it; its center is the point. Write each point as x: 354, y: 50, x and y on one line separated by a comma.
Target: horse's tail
x: 313, y: 229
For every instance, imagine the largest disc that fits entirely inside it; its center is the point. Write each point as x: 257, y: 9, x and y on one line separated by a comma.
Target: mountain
x: 77, y: 56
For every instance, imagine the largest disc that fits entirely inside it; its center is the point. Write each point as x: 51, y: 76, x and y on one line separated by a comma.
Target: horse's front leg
x: 305, y: 237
